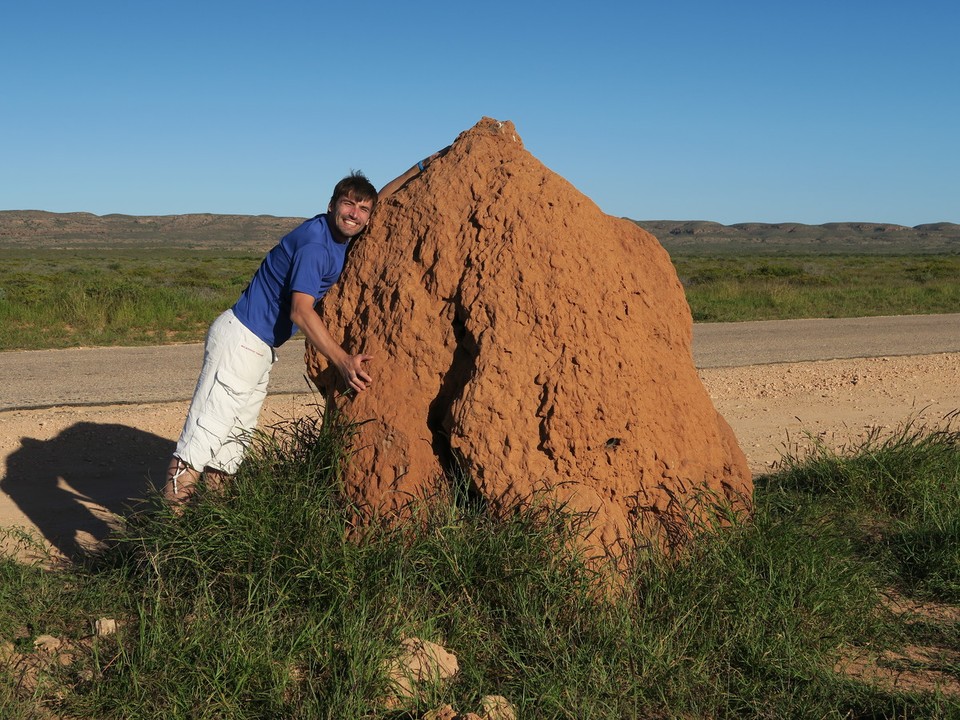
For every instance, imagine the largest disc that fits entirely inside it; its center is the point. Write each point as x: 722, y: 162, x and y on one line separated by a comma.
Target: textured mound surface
x: 520, y: 332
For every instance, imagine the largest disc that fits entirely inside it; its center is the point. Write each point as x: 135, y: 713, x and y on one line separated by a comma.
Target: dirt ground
x: 68, y: 470
x: 777, y: 409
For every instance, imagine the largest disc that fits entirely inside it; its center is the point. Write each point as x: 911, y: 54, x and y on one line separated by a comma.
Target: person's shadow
x: 72, y: 486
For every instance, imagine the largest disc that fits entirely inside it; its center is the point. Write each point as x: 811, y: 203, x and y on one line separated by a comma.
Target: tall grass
x: 904, y: 489
x: 254, y: 604
x: 35, y: 601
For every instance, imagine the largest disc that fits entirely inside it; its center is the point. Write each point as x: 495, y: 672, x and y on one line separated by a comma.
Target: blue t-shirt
x: 306, y: 260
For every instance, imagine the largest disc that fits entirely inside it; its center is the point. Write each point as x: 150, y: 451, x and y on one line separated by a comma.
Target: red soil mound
x: 523, y: 334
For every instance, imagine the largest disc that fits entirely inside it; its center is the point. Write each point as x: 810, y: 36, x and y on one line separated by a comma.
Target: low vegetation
x: 253, y: 605
x: 732, y: 288
x: 757, y: 271
x: 70, y: 298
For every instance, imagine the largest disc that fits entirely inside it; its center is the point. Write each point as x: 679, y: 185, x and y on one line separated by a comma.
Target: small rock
x: 420, y: 661
x: 497, y: 707
x: 105, y: 627
x: 47, y: 643
x: 7, y: 651
x: 445, y: 713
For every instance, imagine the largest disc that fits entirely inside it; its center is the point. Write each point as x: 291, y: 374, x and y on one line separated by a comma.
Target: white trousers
x: 230, y: 392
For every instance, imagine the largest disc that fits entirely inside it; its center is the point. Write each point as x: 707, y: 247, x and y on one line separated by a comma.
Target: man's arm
x: 310, y: 323
x: 398, y: 182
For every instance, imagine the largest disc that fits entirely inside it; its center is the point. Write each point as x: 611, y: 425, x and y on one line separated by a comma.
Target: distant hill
x: 27, y: 229
x: 36, y: 228
x: 692, y: 237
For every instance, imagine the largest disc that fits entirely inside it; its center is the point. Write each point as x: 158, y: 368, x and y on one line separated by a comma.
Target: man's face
x: 350, y: 216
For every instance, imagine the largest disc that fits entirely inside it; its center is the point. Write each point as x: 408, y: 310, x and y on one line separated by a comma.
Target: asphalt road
x: 777, y: 341
x: 106, y: 376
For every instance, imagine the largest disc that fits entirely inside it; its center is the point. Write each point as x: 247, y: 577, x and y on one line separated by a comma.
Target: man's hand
x: 350, y: 367
x: 353, y: 373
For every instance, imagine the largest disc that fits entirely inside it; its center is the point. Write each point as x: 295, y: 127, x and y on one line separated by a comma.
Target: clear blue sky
x: 816, y: 111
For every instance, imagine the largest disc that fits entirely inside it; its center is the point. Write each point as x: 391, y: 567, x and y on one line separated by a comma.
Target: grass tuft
x: 901, y: 493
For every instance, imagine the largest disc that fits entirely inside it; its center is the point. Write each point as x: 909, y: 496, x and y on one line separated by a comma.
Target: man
x: 240, y: 345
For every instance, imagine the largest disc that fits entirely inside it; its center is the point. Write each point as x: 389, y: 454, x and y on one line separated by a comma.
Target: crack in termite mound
x: 440, y: 420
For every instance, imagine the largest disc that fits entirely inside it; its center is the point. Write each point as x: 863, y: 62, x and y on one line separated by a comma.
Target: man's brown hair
x: 356, y: 186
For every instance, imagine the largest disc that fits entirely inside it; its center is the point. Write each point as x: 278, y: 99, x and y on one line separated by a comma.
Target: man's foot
x: 181, y: 483
x: 216, y: 480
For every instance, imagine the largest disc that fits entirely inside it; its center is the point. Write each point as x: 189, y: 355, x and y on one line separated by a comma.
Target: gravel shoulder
x: 783, y: 408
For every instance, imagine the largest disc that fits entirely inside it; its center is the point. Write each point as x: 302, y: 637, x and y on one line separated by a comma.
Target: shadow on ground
x: 71, y: 486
